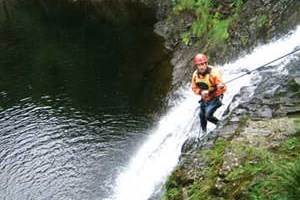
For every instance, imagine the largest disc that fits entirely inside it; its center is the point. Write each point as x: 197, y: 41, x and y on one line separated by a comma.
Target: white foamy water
x: 158, y: 155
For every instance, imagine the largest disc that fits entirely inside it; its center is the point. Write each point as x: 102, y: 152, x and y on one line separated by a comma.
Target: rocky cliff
x: 254, y: 154
x: 253, y: 23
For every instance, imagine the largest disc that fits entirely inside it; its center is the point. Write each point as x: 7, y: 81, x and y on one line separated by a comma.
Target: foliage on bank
x: 211, y: 19
x: 244, y: 169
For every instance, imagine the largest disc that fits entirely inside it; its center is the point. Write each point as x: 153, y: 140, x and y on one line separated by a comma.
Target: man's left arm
x: 220, y: 86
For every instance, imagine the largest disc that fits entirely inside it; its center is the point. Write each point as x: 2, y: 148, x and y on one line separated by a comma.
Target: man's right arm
x: 195, y: 88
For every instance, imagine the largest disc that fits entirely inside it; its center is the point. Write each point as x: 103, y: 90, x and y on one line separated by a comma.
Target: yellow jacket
x: 209, y: 81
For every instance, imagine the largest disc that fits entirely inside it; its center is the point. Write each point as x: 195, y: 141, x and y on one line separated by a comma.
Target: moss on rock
x: 245, y: 166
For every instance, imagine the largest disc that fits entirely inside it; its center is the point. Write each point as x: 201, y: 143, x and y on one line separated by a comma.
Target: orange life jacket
x: 208, y: 81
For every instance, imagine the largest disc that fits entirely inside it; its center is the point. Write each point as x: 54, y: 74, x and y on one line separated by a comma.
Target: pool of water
x: 80, y: 85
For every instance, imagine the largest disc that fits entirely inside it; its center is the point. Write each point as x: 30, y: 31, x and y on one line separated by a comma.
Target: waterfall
x: 158, y: 155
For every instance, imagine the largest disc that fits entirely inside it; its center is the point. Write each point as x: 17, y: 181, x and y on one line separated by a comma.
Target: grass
x: 283, y: 180
x: 282, y: 183
x: 174, y: 185
x: 262, y: 173
x: 205, y: 189
x: 197, y: 189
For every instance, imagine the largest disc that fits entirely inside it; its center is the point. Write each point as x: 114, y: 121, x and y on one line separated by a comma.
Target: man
x: 207, y: 83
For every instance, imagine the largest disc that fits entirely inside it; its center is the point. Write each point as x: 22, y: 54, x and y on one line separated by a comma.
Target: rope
x: 249, y: 72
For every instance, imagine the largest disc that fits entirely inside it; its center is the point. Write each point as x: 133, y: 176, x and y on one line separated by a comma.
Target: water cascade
x: 158, y: 155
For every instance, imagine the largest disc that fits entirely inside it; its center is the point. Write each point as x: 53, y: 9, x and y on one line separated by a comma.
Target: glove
x: 205, y: 94
x: 221, y: 86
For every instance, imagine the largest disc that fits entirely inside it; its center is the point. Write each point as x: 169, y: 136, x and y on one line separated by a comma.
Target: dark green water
x: 100, y: 58
x: 79, y: 86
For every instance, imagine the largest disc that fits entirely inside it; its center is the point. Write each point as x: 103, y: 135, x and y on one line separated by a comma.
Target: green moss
x: 291, y: 146
x: 297, y: 126
x: 173, y: 194
x: 205, y: 188
x: 282, y: 180
x: 261, y: 22
x: 261, y: 173
x: 219, y: 29
x: 186, y: 38
x: 200, y: 190
x: 244, y: 40
x: 181, y: 5
x: 176, y: 181
x: 238, y: 3
x: 242, y: 123
x: 209, y: 23
x: 215, y: 156
x: 254, y: 163
x: 293, y: 85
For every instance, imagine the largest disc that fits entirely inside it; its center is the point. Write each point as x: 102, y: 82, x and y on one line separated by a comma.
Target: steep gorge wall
x: 255, y: 153
x: 261, y: 21
x: 257, y: 22
x: 260, y: 138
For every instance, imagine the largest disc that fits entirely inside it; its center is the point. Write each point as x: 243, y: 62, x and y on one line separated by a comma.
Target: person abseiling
x: 207, y: 83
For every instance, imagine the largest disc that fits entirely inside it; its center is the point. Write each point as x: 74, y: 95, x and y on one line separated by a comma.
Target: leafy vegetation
x: 282, y: 183
x: 262, y: 21
x: 210, y: 22
x: 174, y: 185
x: 284, y: 180
x: 264, y: 173
x: 199, y: 189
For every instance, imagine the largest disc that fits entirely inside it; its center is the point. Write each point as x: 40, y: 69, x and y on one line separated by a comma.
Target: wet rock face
x: 259, y: 21
x: 277, y: 92
x: 258, y: 122
x: 262, y: 135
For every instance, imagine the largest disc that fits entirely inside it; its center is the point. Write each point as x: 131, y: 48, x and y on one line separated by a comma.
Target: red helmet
x: 200, y: 58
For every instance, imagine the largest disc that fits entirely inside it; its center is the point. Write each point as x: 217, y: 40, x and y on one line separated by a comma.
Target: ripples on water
x: 79, y: 86
x: 54, y: 153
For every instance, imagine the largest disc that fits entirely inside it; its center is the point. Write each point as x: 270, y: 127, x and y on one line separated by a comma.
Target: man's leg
x: 212, y: 106
x: 202, y: 116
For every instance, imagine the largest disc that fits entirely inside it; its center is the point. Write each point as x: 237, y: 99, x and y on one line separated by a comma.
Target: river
x: 84, y: 101
x: 80, y: 85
